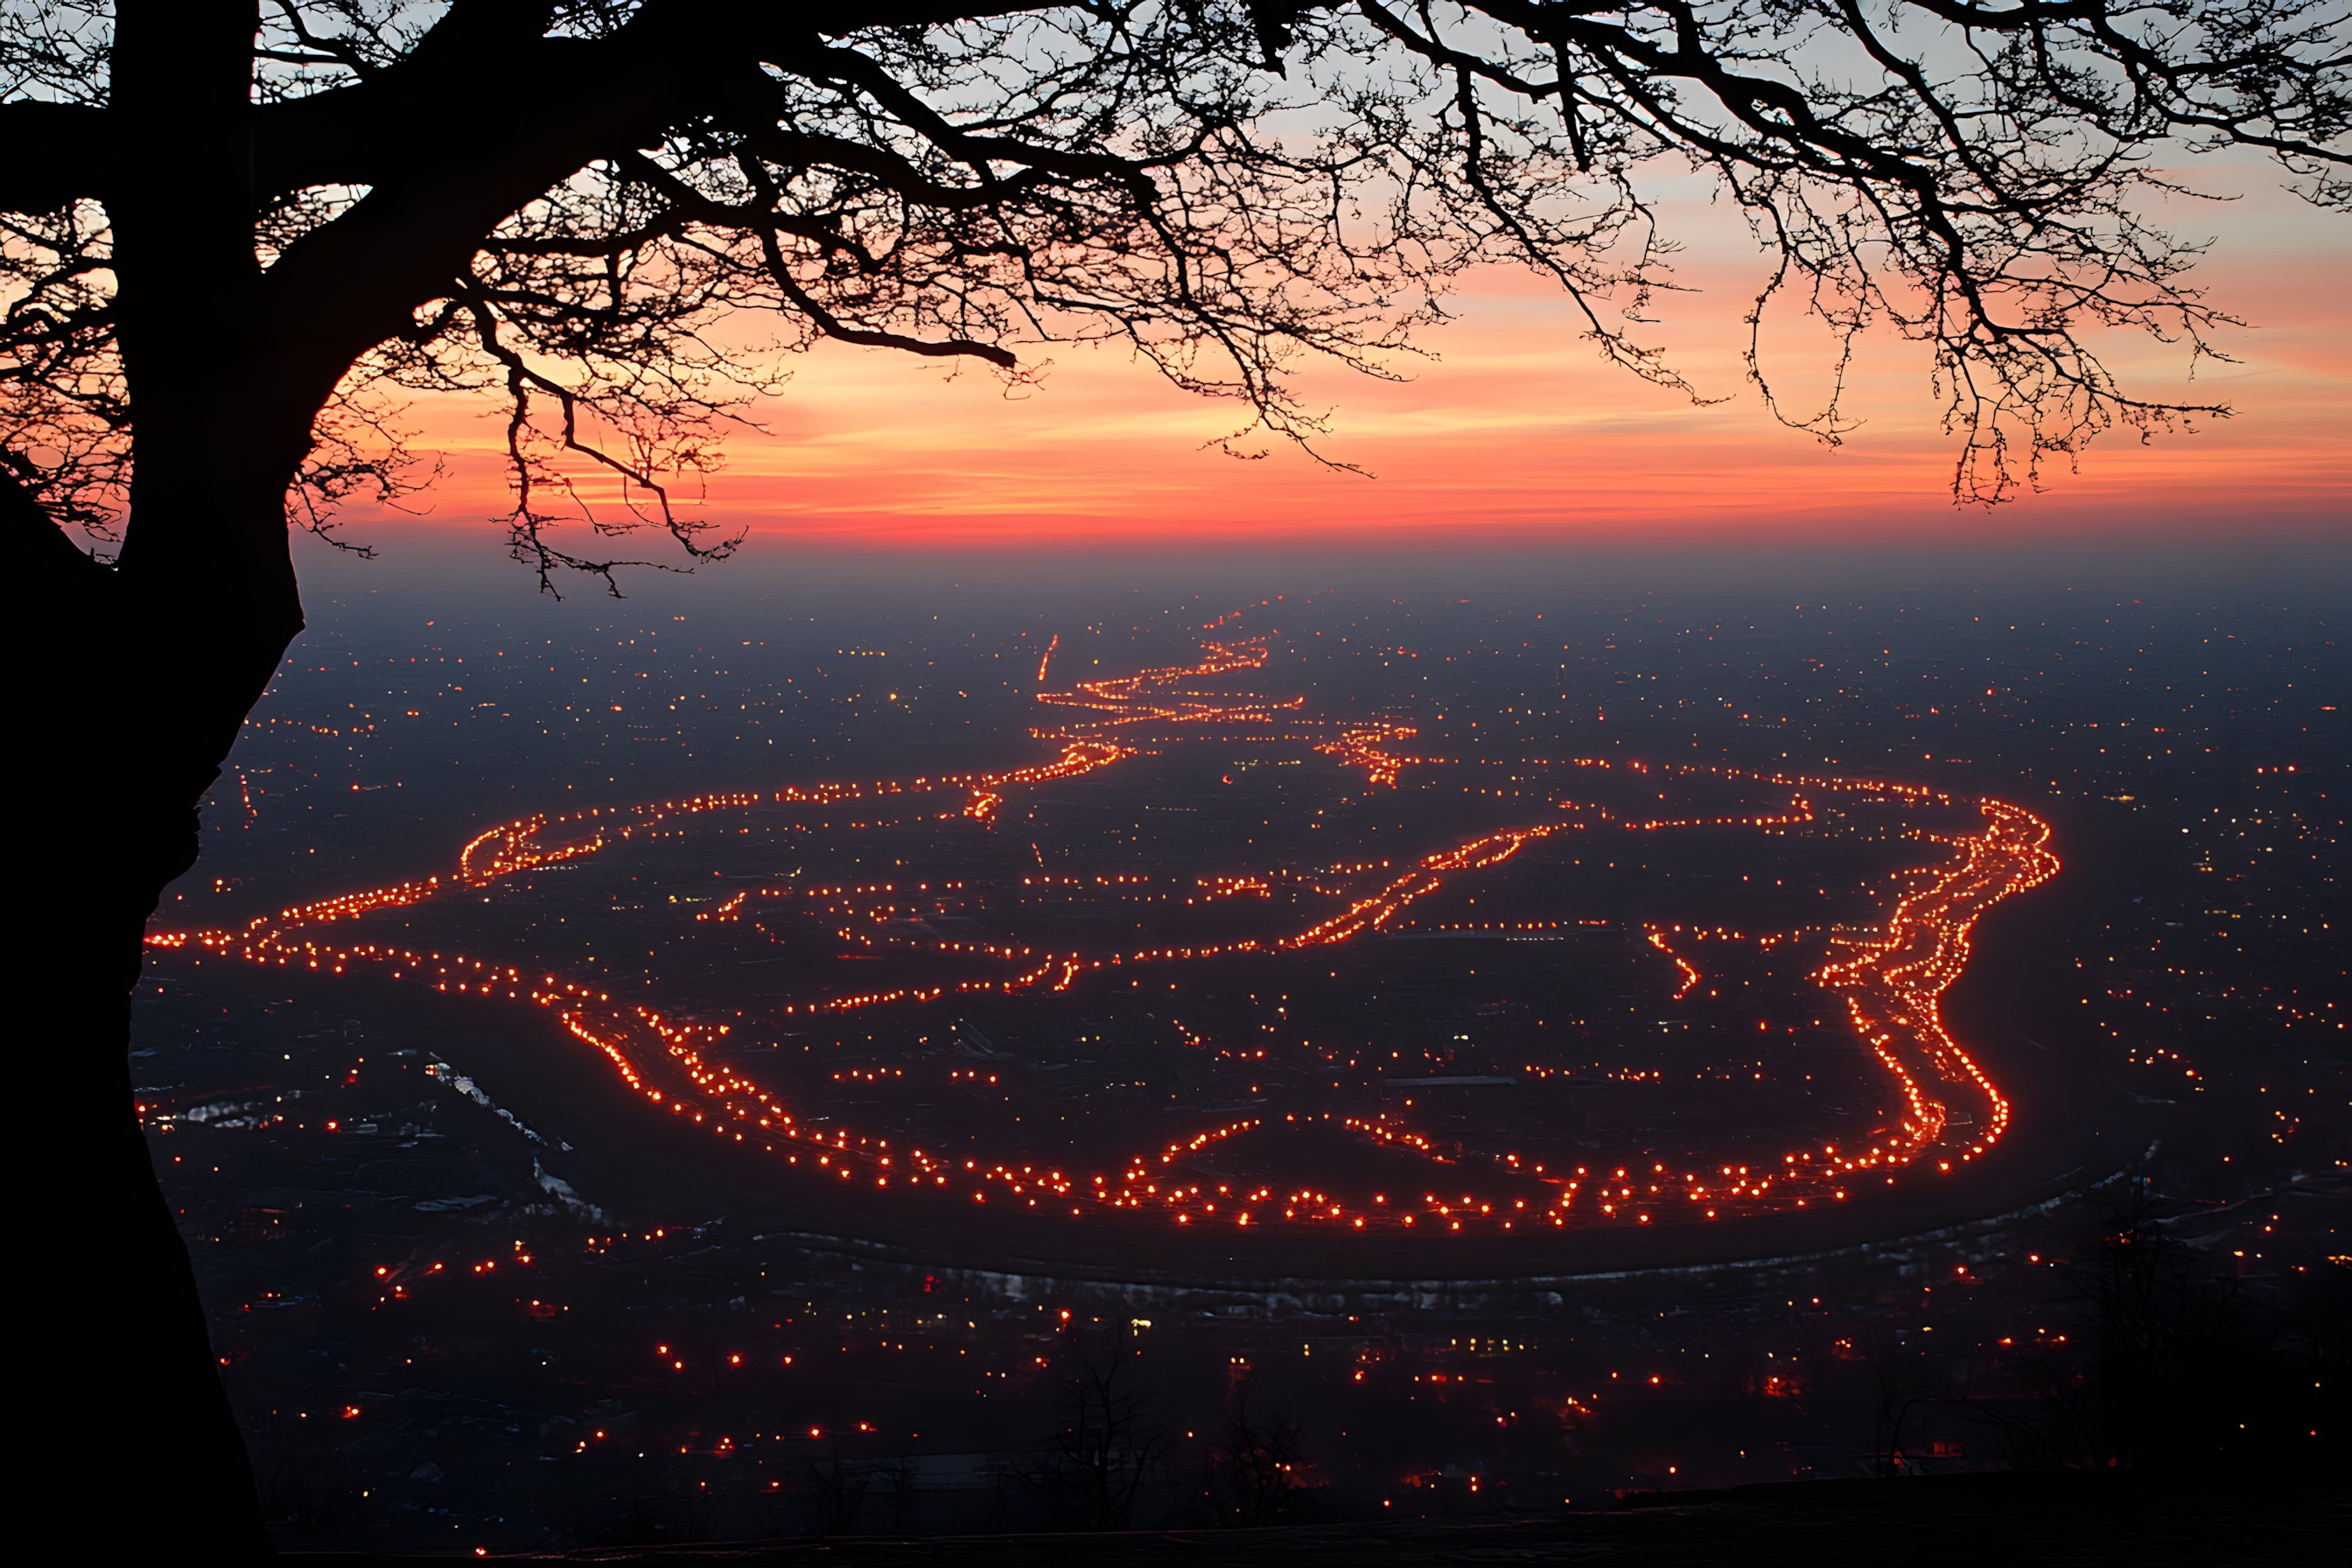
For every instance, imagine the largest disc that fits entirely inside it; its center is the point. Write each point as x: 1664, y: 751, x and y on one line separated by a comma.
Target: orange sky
x: 1519, y: 434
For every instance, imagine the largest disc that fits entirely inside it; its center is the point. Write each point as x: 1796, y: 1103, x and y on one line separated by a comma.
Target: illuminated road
x: 1890, y: 979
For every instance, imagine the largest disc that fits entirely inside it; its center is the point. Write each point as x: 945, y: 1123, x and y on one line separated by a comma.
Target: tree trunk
x: 138, y: 678
x: 136, y: 696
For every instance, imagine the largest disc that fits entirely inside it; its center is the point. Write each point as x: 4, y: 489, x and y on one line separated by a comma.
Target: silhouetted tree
x: 1944, y: 1392
x: 1107, y: 1447
x: 834, y: 1493
x: 900, y: 1503
x: 1904, y: 1384
x: 2171, y: 1362
x: 2190, y: 1372
x: 234, y: 232
x: 1252, y: 1478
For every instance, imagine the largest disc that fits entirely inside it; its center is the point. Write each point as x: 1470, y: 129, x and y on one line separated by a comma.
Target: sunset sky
x: 1517, y: 434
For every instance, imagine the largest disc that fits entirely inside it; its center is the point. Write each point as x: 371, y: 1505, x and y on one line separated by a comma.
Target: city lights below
x: 1890, y: 976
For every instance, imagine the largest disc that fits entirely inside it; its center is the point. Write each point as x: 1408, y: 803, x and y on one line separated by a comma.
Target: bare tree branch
x: 557, y: 202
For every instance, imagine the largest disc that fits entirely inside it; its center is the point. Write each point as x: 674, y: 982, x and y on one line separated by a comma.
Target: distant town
x: 758, y: 1069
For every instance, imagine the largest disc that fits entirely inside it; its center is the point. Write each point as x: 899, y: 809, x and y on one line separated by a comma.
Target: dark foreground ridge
x: 2072, y: 1517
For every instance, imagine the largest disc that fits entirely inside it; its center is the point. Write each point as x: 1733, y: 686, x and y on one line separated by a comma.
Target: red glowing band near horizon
x: 1891, y: 984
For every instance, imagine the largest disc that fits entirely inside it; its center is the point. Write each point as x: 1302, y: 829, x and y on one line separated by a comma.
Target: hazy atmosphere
x: 1182, y: 780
